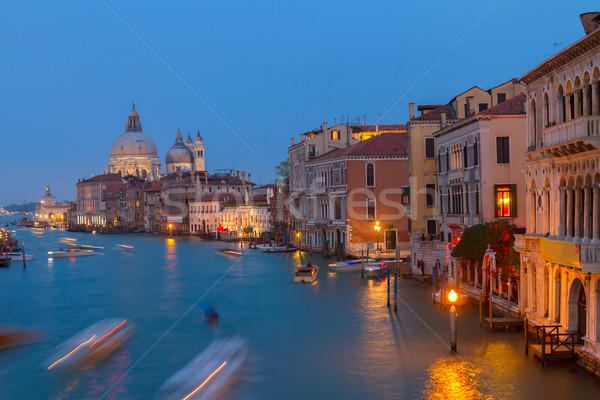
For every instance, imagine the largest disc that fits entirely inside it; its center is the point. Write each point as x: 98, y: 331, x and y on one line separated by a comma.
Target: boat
x: 282, y: 249
x: 61, y: 253
x: 306, y: 274
x: 19, y: 256
x: 124, y: 246
x: 10, y: 336
x: 376, y: 270
x: 5, y: 261
x: 93, y: 344
x: 230, y: 251
x: 350, y: 265
x: 85, y: 246
x: 206, y: 375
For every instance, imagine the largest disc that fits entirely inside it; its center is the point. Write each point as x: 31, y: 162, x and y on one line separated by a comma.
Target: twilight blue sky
x: 272, y: 70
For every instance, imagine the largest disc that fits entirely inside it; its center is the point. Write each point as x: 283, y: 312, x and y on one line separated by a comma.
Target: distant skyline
x: 268, y: 70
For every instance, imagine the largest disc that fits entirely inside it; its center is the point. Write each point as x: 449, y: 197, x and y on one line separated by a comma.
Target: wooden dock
x: 551, y: 343
x: 505, y: 323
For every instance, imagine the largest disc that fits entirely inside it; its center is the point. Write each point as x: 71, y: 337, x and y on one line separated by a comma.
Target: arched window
x: 447, y: 160
x: 370, y: 175
x: 475, y: 152
x: 465, y: 156
x: 476, y: 199
x: 342, y: 176
x: 370, y: 208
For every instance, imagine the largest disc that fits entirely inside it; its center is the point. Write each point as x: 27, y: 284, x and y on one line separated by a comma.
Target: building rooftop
x: 384, y: 144
x: 514, y: 106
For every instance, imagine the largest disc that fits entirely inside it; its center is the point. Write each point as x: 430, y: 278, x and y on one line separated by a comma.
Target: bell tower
x: 198, y: 151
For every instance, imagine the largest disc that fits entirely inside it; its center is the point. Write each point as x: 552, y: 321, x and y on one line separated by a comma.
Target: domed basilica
x: 134, y: 153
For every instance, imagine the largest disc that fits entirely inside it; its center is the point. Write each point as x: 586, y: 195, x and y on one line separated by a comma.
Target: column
x: 546, y: 199
x: 568, y: 106
x: 595, y: 219
x: 586, y: 101
x: 595, y: 98
x: 577, y: 224
x: 586, y: 210
x: 577, y: 103
x: 468, y: 279
x: 569, y: 233
x: 560, y: 101
x: 545, y: 114
x: 562, y: 214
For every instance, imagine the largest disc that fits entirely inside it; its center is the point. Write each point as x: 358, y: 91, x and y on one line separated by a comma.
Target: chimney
x: 590, y: 21
x: 442, y: 120
x: 249, y: 177
x: 470, y: 110
x: 292, y: 142
x: 411, y: 110
x: 376, y: 129
x: 243, y: 176
x: 238, y: 173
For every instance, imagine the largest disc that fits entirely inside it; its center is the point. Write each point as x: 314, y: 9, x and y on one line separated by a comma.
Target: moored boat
x: 306, y: 274
x: 206, y: 375
x: 5, y: 261
x: 61, y: 253
x: 376, y: 270
x: 19, y: 256
x: 282, y: 249
x: 92, y: 344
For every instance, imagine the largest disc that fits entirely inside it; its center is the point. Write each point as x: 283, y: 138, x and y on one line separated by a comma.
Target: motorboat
x: 350, y: 265
x: 61, y: 253
x: 85, y: 246
x: 230, y: 251
x: 124, y: 246
x: 18, y: 256
x: 281, y: 249
x: 306, y: 274
x: 91, y: 345
x: 376, y: 270
x: 5, y: 261
x: 206, y: 375
x: 10, y: 336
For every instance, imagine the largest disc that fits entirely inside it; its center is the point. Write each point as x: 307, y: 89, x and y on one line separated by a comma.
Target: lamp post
x: 171, y: 230
x: 452, y: 297
x: 298, y: 236
x: 377, y: 228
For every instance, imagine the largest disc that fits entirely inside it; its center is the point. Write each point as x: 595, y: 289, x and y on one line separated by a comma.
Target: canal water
x: 336, y: 339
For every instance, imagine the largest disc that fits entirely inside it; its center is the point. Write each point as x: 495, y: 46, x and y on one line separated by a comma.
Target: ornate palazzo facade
x: 560, y: 253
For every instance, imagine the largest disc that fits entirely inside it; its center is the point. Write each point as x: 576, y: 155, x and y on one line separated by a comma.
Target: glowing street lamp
x: 452, y: 296
x: 171, y: 230
x: 377, y: 228
x: 298, y: 236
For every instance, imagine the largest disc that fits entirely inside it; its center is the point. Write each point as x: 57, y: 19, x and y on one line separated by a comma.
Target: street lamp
x: 377, y: 228
x: 171, y: 230
x: 452, y: 297
x: 298, y: 236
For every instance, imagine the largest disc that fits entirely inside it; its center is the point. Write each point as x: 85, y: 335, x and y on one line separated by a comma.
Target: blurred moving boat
x: 306, y: 274
x: 281, y: 249
x: 10, y: 336
x: 93, y: 344
x: 124, y: 246
x: 207, y: 374
x: 349, y: 266
x: 85, y: 246
x: 19, y: 256
x: 69, y: 253
x: 376, y: 270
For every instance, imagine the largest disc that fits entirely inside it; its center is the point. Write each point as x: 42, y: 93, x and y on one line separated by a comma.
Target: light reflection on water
x: 453, y: 380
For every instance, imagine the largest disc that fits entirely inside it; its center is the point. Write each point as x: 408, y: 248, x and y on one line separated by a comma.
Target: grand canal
x: 335, y: 339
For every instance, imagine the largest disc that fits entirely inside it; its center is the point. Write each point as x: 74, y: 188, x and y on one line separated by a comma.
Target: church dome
x: 133, y: 142
x: 179, y: 153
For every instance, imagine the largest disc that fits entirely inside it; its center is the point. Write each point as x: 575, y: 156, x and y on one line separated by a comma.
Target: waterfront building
x: 312, y: 144
x: 421, y: 197
x: 349, y: 189
x: 151, y: 205
x: 206, y: 213
x: 92, y: 195
x: 134, y: 152
x: 279, y: 214
x: 130, y: 204
x: 49, y: 212
x: 560, y: 252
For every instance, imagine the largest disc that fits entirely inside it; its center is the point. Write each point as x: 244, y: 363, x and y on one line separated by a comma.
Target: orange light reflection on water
x: 452, y: 379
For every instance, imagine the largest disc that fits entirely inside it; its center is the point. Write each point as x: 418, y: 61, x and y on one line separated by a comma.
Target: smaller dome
x: 179, y: 153
x: 198, y: 138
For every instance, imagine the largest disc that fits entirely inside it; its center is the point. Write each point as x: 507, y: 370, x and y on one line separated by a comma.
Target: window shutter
x: 506, y: 150
x: 513, y: 200
x: 496, y: 210
x: 499, y: 150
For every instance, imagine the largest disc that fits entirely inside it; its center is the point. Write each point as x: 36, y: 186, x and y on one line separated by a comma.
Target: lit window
x: 335, y: 135
x: 505, y: 200
x: 370, y: 175
x: 370, y: 208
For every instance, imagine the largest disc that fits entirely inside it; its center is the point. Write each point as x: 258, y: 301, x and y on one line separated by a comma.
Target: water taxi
x: 306, y: 274
x: 206, y: 376
x: 281, y: 249
x: 376, y: 270
x: 124, y: 246
x: 69, y: 253
x: 93, y: 344
x: 350, y: 265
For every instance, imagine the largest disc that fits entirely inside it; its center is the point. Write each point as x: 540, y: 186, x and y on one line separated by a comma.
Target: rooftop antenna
x: 364, y: 119
x: 335, y: 121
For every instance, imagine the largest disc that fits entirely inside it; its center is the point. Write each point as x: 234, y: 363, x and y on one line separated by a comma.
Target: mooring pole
x: 433, y: 269
x: 395, y: 291
x: 362, y: 263
x: 23, y: 253
x: 388, y: 287
x: 453, y: 328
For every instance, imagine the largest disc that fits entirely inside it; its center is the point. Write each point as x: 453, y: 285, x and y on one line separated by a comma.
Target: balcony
x: 322, y: 221
x: 589, y: 256
x: 455, y: 175
x: 576, y: 128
